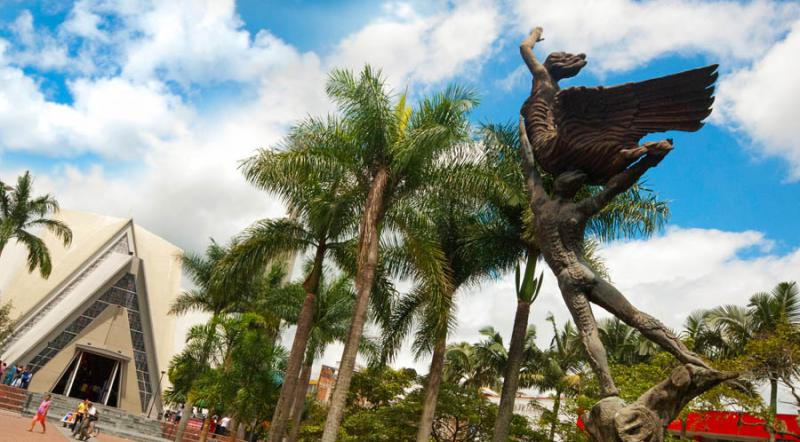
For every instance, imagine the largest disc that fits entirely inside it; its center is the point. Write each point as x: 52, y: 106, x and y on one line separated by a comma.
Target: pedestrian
x: 41, y: 414
x: 83, y: 408
x: 18, y: 378
x: 223, y: 425
x: 26, y: 377
x: 87, y: 426
x: 212, y: 426
x: 11, y: 373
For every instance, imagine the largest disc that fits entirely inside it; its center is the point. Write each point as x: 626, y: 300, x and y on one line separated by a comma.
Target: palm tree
x: 483, y: 364
x: 332, y: 313
x: 431, y: 306
x: 770, y: 312
x: 395, y: 153
x: 20, y: 212
x: 207, y: 296
x: 623, y: 343
x: 562, y: 367
x: 765, y: 315
x: 636, y: 213
x: 323, y: 199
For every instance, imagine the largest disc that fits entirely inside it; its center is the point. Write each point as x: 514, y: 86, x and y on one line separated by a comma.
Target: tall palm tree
x: 207, y: 296
x: 636, y: 213
x: 332, y: 313
x: 431, y: 307
x: 21, y: 212
x: 323, y: 199
x: 396, y: 152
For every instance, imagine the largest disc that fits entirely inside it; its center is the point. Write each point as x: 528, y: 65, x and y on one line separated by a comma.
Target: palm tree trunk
x: 556, y: 410
x: 281, y: 416
x: 204, y: 429
x: 511, y: 377
x: 186, y: 414
x: 234, y: 430
x: 206, y: 351
x: 305, y: 322
x: 432, y: 390
x: 773, y: 407
x: 300, y: 400
x: 366, y: 264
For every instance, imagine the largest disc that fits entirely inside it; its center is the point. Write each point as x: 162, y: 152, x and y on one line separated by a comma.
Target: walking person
x: 41, y: 414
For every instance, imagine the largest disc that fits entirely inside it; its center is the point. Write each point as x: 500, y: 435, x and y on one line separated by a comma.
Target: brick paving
x: 14, y: 428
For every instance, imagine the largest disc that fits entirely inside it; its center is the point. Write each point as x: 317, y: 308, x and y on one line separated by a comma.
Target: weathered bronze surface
x: 591, y: 136
x: 596, y: 130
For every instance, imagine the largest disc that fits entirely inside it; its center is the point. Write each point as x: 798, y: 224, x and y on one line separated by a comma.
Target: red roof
x: 737, y: 426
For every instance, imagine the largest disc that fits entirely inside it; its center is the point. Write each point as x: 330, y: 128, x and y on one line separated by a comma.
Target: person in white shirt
x: 223, y: 424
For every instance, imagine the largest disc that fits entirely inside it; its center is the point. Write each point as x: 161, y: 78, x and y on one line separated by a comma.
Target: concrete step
x: 11, y: 398
x: 112, y: 420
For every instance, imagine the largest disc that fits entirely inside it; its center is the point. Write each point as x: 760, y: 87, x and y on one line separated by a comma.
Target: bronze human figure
x: 591, y: 136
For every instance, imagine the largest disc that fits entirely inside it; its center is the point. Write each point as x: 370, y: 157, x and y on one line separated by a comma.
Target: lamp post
x: 159, y: 392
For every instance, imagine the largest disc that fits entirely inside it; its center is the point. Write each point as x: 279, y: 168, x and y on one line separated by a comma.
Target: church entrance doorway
x: 91, y: 376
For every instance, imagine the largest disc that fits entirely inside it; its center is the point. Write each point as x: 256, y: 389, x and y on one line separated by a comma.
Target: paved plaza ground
x: 14, y: 428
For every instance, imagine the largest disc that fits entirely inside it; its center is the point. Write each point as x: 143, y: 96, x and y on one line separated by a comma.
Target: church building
x: 98, y: 327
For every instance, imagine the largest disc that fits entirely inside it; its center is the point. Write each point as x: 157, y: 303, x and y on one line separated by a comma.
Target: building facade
x: 98, y: 327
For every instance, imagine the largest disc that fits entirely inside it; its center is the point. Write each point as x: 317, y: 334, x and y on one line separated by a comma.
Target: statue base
x: 646, y: 419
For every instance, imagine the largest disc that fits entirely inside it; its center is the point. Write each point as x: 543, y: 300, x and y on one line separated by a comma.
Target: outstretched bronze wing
x: 595, y: 124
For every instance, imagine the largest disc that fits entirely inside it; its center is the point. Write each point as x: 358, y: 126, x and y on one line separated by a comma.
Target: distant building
x: 529, y: 406
x: 327, y: 379
x: 98, y: 326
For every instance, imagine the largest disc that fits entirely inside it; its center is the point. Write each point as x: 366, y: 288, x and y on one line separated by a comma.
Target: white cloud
x: 110, y: 116
x: 37, y: 47
x: 619, y: 35
x: 761, y: 100
x: 427, y: 49
x: 196, y: 42
x: 180, y: 178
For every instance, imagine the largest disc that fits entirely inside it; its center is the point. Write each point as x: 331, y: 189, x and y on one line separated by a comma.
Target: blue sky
x: 715, y: 178
x: 144, y: 108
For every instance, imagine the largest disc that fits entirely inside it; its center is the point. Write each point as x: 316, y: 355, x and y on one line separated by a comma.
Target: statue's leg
x: 607, y: 296
x: 581, y: 310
